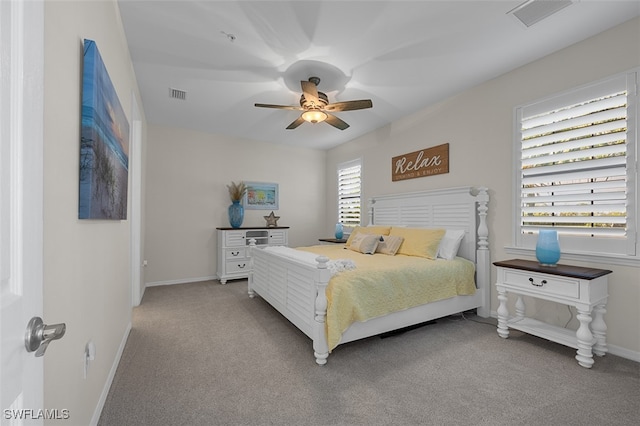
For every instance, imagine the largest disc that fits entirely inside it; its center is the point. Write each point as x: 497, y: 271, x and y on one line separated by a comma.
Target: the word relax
x: 402, y: 166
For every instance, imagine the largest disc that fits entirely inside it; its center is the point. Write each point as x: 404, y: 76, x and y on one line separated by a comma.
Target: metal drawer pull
x: 543, y: 282
x: 242, y: 266
x: 235, y: 253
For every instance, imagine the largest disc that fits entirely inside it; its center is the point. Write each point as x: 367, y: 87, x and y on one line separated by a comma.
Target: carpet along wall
x: 478, y: 125
x: 86, y: 262
x: 187, y: 197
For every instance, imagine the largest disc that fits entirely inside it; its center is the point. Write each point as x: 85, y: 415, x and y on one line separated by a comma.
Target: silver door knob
x: 39, y: 335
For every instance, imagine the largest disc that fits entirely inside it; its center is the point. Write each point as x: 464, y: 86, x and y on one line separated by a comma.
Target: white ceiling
x: 403, y: 55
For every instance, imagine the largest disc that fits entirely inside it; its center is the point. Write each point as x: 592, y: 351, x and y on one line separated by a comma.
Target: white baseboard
x: 144, y: 288
x: 624, y: 353
x: 612, y: 349
x: 181, y: 281
x: 112, y: 373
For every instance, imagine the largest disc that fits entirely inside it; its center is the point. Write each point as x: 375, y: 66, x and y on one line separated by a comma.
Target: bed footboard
x: 296, y: 289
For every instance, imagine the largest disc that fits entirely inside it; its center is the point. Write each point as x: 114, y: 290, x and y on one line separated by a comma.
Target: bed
x: 295, y: 282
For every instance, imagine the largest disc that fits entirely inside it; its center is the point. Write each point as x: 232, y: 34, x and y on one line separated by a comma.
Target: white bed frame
x: 297, y: 289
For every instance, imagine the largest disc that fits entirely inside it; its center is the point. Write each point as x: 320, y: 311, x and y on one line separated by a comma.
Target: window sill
x: 583, y: 257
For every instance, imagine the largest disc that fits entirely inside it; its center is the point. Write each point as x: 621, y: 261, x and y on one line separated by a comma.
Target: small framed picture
x: 261, y: 196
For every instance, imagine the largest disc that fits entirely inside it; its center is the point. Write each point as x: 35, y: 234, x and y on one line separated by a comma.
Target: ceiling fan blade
x: 298, y: 121
x: 296, y: 108
x: 336, y: 122
x: 349, y: 105
x: 310, y: 92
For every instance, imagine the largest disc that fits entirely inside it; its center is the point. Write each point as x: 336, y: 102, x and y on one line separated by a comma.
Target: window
x: 349, y: 190
x: 576, y: 168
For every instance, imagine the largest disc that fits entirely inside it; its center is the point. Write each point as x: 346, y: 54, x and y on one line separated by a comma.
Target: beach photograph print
x: 261, y: 196
x: 104, y: 143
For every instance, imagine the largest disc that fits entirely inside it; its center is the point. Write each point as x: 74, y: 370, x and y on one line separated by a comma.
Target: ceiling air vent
x: 533, y: 11
x: 177, y: 94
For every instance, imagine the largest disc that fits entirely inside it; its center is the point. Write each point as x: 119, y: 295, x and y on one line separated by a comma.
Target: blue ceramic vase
x: 548, y: 247
x: 339, y: 231
x: 236, y: 214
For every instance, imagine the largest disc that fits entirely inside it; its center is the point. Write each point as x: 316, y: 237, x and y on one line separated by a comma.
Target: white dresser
x: 233, y: 250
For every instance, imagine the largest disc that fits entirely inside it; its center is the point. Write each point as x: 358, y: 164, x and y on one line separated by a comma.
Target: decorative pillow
x: 364, y: 243
x: 389, y: 244
x: 421, y: 242
x: 450, y: 243
x: 374, y: 230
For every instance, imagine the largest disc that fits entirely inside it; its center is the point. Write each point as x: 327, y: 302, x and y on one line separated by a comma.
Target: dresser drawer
x: 241, y: 265
x: 543, y: 283
x: 235, y: 253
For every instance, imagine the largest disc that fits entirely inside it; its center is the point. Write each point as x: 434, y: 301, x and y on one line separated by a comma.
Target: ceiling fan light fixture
x: 314, y: 116
x: 313, y: 105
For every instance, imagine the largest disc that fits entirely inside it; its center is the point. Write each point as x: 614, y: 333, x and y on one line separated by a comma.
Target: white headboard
x: 451, y: 208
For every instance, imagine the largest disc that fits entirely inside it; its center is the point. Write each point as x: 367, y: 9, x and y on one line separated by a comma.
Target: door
x: 21, y: 210
x: 135, y: 164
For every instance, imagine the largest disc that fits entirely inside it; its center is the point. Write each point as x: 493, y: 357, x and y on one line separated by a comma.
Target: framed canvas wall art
x: 104, y: 143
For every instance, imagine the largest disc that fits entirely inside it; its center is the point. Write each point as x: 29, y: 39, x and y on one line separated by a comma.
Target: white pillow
x: 450, y: 243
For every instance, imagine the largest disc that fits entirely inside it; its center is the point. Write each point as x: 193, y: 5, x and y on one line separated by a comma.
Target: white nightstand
x: 583, y: 288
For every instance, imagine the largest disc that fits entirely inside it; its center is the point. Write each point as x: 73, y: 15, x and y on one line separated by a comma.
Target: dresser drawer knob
x: 543, y: 282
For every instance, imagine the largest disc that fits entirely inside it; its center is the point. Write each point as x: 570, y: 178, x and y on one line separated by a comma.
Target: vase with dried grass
x: 236, y: 210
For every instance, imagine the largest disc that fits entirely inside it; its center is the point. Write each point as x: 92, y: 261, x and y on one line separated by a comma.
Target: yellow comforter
x: 382, y: 284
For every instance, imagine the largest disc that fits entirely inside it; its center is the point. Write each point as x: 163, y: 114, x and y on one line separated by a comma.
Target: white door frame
x: 21, y: 202
x: 135, y: 167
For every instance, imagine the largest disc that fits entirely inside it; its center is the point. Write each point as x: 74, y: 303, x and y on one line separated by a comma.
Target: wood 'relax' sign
x: 426, y: 162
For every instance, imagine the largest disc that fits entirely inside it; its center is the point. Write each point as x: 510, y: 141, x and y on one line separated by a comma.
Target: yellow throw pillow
x: 375, y: 230
x: 421, y: 242
x: 365, y: 243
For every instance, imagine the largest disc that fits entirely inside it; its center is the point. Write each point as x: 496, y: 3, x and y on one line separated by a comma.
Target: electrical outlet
x: 89, y: 355
x: 144, y: 263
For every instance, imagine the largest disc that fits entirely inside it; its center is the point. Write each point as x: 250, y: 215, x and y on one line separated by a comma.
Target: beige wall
x: 478, y: 125
x: 86, y: 262
x: 187, y: 197
x: 86, y: 266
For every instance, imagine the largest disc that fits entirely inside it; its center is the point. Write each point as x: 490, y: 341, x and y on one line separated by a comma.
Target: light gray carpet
x: 207, y: 354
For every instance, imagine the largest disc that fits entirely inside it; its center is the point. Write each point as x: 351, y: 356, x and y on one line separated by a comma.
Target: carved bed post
x: 483, y: 260
x: 320, y: 344
x: 252, y: 247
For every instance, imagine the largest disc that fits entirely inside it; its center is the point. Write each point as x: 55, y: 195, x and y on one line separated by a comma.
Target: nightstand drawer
x: 236, y: 253
x: 242, y: 265
x: 543, y: 283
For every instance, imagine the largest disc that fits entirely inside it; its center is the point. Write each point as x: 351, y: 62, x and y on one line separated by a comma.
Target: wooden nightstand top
x: 333, y: 240
x: 559, y: 269
x: 251, y: 227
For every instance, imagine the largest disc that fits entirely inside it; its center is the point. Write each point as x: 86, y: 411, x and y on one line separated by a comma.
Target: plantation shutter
x: 349, y: 186
x: 574, y: 164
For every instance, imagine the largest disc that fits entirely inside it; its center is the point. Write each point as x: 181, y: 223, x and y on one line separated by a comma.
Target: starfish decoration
x: 272, y: 220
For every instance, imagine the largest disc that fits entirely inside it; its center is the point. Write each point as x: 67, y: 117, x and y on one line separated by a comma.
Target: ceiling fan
x: 317, y: 108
